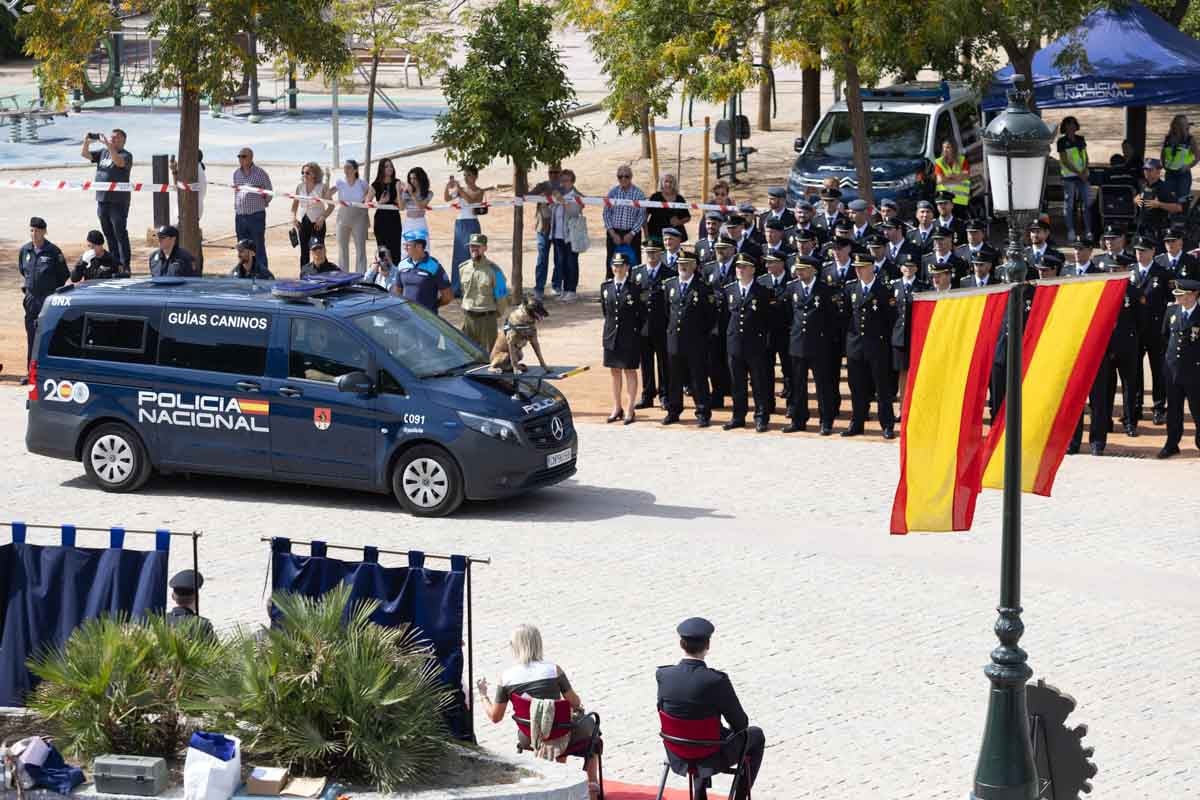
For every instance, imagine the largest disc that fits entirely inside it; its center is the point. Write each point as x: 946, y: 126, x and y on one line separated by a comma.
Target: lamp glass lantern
x: 1015, y: 144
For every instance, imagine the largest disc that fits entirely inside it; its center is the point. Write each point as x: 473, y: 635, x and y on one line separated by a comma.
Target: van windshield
x: 891, y: 135
x: 421, y: 341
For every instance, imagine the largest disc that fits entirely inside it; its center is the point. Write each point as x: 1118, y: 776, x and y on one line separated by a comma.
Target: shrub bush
x: 117, y: 685
x: 328, y: 692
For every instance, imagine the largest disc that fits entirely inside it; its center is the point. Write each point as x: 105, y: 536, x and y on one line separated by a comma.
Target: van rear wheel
x: 115, y: 458
x: 427, y: 482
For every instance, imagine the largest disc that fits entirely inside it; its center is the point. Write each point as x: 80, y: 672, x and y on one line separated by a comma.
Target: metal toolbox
x: 140, y: 775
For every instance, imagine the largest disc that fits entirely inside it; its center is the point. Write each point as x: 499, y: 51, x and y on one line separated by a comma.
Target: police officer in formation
x: 777, y: 211
x: 691, y: 316
x: 898, y: 245
x: 1039, y: 249
x: 942, y: 254
x: 748, y: 307
x: 1120, y: 358
x: 872, y: 310
x: 43, y: 269
x: 1116, y: 256
x: 1174, y: 259
x: 976, y: 233
x: 779, y: 318
x: 651, y: 277
x: 185, y: 588
x: 1181, y: 327
x: 812, y: 345
x: 921, y: 234
x: 777, y: 243
x: 171, y: 260
x: 622, y: 302
x: 97, y: 262
x: 1153, y: 284
x: 718, y: 274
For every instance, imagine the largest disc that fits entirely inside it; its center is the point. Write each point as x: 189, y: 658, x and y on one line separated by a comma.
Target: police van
x: 319, y: 381
x: 906, y: 125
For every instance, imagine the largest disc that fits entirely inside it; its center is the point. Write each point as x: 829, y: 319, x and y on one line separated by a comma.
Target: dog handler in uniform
x: 184, y: 588
x: 484, y: 293
x: 419, y: 277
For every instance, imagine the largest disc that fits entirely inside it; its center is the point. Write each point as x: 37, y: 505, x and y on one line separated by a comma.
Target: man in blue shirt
x: 419, y: 277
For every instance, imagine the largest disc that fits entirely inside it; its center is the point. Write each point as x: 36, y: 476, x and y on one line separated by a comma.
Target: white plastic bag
x: 206, y: 777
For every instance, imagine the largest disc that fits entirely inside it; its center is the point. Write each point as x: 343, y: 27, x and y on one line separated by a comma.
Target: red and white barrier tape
x: 99, y: 186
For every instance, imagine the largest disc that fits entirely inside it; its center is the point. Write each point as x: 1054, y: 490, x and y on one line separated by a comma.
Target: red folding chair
x: 694, y: 741
x: 563, y: 725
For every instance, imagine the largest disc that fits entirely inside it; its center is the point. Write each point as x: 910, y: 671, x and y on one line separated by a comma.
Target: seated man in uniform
x: 184, y: 588
x: 690, y: 690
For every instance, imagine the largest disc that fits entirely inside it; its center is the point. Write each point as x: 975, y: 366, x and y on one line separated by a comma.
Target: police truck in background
x: 906, y: 125
x: 331, y: 383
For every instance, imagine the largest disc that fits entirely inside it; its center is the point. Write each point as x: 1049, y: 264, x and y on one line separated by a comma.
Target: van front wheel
x: 427, y: 482
x: 115, y: 459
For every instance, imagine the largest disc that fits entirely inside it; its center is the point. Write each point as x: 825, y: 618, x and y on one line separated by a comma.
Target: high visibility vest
x: 1178, y: 156
x: 1074, y: 161
x: 956, y: 180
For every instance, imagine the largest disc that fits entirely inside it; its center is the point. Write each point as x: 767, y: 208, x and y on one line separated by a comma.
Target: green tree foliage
x: 328, y: 692
x: 1019, y: 27
x: 118, y: 686
x: 510, y: 100
x: 61, y: 34
x: 380, y: 25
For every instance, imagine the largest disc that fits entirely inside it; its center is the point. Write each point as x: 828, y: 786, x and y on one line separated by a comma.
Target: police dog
x: 520, y: 329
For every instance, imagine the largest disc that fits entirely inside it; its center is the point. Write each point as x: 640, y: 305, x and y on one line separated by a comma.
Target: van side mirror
x: 798, y: 144
x: 356, y: 382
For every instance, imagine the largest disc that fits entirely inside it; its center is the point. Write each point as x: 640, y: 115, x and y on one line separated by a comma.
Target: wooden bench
x: 389, y: 58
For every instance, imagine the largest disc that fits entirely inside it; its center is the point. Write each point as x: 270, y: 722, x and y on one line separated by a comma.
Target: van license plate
x: 558, y: 459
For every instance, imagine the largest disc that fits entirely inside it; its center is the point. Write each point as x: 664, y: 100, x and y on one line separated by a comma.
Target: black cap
x: 653, y: 244
x: 745, y: 260
x: 924, y: 204
x: 726, y: 241
x: 806, y: 236
x: 1112, y: 230
x: 736, y: 219
x: 983, y: 257
x: 1082, y: 243
x: 807, y: 261
x: 775, y: 225
x: 246, y: 244
x: 168, y: 230
x: 890, y: 223
x: 95, y: 237
x: 829, y: 193
x: 974, y: 224
x: 695, y: 628
x: 316, y: 242
x: 1186, y: 285
x: 1144, y: 243
x: 944, y: 197
x: 187, y: 580
x: 877, y: 240
x: 842, y: 241
x: 942, y: 232
x: 37, y: 222
x: 1039, y: 224
x: 1173, y: 233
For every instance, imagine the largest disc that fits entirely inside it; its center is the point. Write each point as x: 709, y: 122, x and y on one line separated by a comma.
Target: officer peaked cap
x: 695, y: 628
x: 187, y: 580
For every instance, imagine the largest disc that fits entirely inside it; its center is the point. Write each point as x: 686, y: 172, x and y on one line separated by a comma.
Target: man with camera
x: 113, y: 163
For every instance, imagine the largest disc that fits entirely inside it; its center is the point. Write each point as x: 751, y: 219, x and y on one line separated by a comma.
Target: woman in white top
x: 352, y: 221
x: 416, y: 198
x: 467, y: 223
x: 536, y: 678
x: 310, y: 224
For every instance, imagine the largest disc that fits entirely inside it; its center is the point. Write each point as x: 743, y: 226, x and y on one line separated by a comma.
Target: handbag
x: 577, y: 234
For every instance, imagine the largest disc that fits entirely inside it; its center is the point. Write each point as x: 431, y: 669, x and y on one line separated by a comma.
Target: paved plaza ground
x: 860, y: 654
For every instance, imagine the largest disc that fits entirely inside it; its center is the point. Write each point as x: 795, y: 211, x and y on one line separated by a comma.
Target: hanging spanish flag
x: 1065, y: 339
x: 941, y: 441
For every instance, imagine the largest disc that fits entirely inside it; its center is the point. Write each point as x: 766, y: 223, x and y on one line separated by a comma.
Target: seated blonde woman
x: 531, y: 675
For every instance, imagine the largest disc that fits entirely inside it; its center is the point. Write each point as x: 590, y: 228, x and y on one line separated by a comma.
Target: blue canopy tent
x: 1136, y: 58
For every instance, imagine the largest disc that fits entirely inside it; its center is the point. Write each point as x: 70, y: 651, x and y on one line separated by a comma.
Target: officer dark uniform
x: 896, y: 251
x: 975, y: 280
x: 885, y: 268
x: 956, y: 225
x: 860, y: 224
x: 784, y: 250
x: 1154, y: 294
x: 783, y: 216
x: 1154, y: 222
x: 959, y: 269
x: 872, y: 313
x: 1035, y: 256
x: 44, y: 269
x: 745, y: 244
x: 822, y: 219
x: 1182, y: 264
x: 692, y: 313
x: 1119, y: 259
x: 176, y: 261
x: 623, y: 316
x: 184, y: 588
x: 903, y: 290
x: 691, y: 690
x: 746, y: 345
x: 814, y: 345
x: 836, y: 275
x: 968, y: 251
x: 706, y: 246
x: 780, y: 320
x: 718, y: 274
x: 654, y: 327
x: 99, y: 267
x: 922, y: 238
x: 1181, y: 328
x: 317, y: 247
x: 805, y: 223
x: 1120, y: 358
x: 255, y: 270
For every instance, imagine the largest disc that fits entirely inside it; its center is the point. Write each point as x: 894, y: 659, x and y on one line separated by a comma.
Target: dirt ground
x: 571, y: 335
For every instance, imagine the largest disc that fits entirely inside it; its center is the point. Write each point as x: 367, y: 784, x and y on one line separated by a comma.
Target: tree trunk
x: 1178, y: 12
x: 810, y: 99
x: 520, y: 189
x: 189, y: 151
x: 644, y: 124
x: 1022, y: 64
x: 764, y: 88
x: 366, y: 170
x: 858, y: 129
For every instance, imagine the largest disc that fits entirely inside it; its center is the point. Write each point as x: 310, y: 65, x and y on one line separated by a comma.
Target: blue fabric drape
x: 428, y: 599
x: 47, y: 591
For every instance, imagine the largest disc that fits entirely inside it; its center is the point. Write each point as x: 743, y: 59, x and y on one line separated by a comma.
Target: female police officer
x: 621, y: 299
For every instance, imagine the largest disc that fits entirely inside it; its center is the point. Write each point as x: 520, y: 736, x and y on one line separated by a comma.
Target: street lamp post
x: 1015, y: 146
